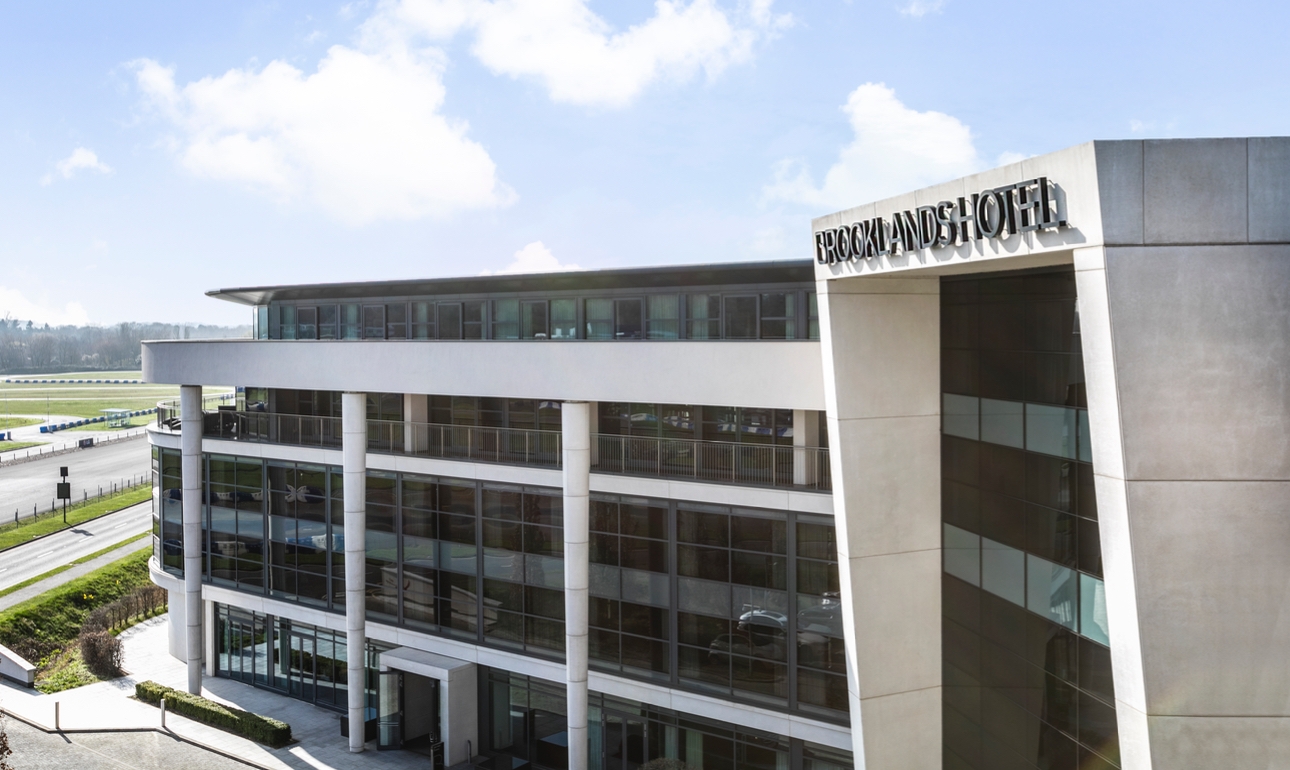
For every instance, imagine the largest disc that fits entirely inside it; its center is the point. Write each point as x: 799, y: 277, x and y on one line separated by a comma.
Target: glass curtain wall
x: 523, y: 723
x: 738, y: 603
x: 168, y: 510
x: 1027, y: 662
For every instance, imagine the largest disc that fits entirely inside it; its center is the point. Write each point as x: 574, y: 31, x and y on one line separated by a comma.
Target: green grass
x: 77, y: 513
x: 9, y: 446
x: 18, y: 422
x: 41, y: 627
x: 69, y: 565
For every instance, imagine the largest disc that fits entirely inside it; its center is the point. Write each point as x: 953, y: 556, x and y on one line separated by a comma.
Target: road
x: 33, y: 483
x: 40, y: 556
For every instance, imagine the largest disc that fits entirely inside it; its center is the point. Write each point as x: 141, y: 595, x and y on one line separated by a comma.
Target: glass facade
x: 769, y: 313
x: 1027, y: 671
x: 739, y: 603
x: 523, y: 723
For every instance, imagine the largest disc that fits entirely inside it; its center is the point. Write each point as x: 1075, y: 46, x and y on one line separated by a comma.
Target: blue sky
x: 152, y: 151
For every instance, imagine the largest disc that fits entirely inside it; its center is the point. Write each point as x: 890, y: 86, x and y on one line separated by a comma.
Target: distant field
x: 87, y: 400
x: 17, y: 422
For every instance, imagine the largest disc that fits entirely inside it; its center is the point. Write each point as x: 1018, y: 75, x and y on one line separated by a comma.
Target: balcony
x: 722, y: 462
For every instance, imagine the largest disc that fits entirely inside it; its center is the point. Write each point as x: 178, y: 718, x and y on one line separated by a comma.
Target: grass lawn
x: 46, y: 627
x: 134, y: 422
x: 83, y: 400
x: 9, y: 446
x: 18, y: 422
x: 77, y: 513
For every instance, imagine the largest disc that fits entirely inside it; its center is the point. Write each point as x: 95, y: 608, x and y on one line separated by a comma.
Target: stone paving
x: 110, y: 706
x: 35, y: 749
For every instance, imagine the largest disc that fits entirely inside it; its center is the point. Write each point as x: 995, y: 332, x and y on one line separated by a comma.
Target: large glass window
x: 564, y: 319
x: 506, y: 319
x: 1023, y: 603
x: 374, y: 322
x: 351, y: 322
x: 307, y: 323
x: 396, y: 321
x: 534, y: 320
x: 422, y: 321
x: 328, y: 322
x: 779, y: 316
x: 450, y: 321
x: 704, y: 316
x: 472, y: 325
x: 664, y: 317
x: 741, y: 318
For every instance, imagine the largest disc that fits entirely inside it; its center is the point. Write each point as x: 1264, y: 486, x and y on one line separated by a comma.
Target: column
x: 190, y: 415
x: 806, y: 436
x: 576, y: 440
x: 354, y: 458
x: 885, y: 452
x: 416, y: 413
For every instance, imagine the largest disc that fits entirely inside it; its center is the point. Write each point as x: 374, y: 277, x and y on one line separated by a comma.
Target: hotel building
x: 998, y: 480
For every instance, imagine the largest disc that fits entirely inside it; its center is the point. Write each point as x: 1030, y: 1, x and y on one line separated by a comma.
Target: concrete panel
x: 1230, y: 743
x: 902, y: 731
x: 888, y: 485
x: 773, y: 374
x: 862, y: 330
x: 896, y: 600
x: 1119, y: 187
x: 1269, y: 190
x: 1202, y: 346
x: 1212, y: 587
x: 1194, y: 191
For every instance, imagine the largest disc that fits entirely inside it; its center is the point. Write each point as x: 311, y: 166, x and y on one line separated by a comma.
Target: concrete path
x: 109, y: 706
x: 35, y: 749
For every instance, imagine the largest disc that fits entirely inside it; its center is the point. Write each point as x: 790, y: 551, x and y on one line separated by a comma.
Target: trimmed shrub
x: 266, y: 730
x: 101, y: 652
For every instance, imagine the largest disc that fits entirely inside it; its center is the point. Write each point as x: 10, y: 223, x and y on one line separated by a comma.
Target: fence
x: 50, y: 450
x: 168, y: 410
x: 711, y: 461
x: 55, y: 508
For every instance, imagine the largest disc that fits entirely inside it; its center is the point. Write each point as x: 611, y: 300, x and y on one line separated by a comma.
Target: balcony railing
x: 709, y: 461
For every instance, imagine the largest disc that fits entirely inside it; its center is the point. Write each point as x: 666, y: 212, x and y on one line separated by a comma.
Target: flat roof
x: 723, y: 274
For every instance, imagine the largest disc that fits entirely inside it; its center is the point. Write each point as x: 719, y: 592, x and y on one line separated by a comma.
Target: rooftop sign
x: 1036, y: 204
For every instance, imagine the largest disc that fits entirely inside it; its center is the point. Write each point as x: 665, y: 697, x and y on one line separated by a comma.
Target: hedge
x: 258, y: 728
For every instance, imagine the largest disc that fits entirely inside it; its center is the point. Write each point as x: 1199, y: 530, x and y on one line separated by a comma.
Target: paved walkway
x: 110, y: 706
x: 34, y: 749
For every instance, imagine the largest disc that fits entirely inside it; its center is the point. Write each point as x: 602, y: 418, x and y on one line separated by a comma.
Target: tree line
x: 29, y: 348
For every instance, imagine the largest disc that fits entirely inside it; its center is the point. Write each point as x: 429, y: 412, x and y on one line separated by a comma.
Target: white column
x: 416, y: 412
x: 212, y: 649
x: 354, y: 458
x: 576, y: 440
x: 190, y: 415
x: 806, y: 436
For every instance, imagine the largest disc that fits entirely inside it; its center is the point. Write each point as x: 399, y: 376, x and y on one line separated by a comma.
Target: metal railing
x: 168, y: 410
x: 711, y: 461
x: 727, y: 462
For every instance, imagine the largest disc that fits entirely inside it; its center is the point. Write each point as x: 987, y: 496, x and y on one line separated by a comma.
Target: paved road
x: 28, y: 483
x: 36, y: 750
x: 40, y: 556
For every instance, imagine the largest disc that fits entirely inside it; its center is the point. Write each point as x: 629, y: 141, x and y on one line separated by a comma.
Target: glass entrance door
x: 389, y: 717
x: 626, y: 741
x: 300, y: 672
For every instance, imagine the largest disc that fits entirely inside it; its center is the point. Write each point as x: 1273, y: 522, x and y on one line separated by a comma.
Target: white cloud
x: 533, y: 258
x: 920, y: 8
x: 81, y: 158
x: 362, y: 137
x: 895, y: 149
x: 13, y: 304
x: 577, y: 55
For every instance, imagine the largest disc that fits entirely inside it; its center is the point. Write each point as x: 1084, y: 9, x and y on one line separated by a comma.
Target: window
x: 779, y: 316
x: 741, y: 318
x: 327, y: 326
x: 564, y: 319
x: 288, y: 322
x: 600, y: 319
x: 627, y: 319
x: 449, y: 320
x: 422, y: 316
x: 533, y: 317
x: 812, y: 316
x: 472, y: 320
x: 396, y: 321
x: 506, y: 319
x: 664, y: 317
x: 262, y: 322
x: 351, y: 322
x: 704, y: 317
x: 374, y: 322
x: 307, y: 323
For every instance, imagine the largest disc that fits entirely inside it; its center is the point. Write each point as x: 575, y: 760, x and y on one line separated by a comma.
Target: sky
x: 153, y: 151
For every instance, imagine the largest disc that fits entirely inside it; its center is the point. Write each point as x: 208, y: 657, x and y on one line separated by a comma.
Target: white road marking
x: 43, y: 555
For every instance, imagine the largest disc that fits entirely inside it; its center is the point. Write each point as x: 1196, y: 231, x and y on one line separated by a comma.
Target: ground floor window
x: 295, y: 659
x: 523, y: 723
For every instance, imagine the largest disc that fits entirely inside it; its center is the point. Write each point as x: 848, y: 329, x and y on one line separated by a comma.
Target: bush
x: 266, y: 730
x: 101, y: 652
